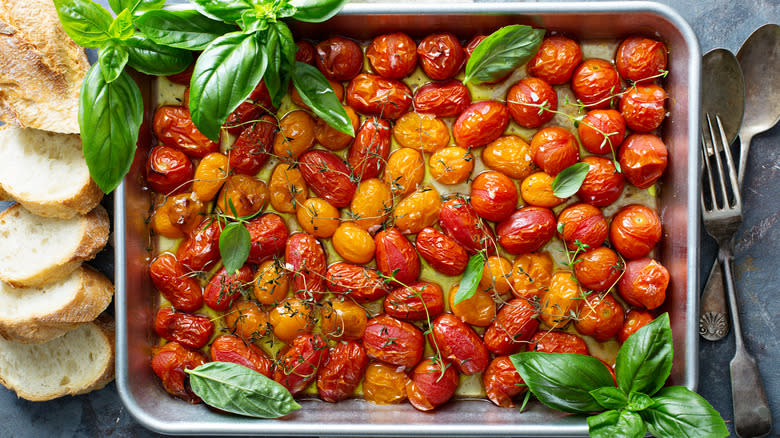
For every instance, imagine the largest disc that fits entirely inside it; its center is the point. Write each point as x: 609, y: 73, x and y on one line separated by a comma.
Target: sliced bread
x: 37, y: 315
x: 80, y: 361
x: 35, y: 250
x: 46, y: 172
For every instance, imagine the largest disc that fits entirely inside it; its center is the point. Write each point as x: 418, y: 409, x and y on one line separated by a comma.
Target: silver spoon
x: 723, y: 95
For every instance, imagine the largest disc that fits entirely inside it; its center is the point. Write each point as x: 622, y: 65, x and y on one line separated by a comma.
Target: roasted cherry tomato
x: 460, y: 344
x: 224, y: 289
x: 261, y: 97
x: 184, y: 77
x: 340, y: 375
x: 211, y: 173
x: 442, y: 99
x: 359, y: 283
x: 339, y: 58
x: 635, y: 320
x: 531, y: 102
x: 192, y: 331
x: 640, y: 59
x: 598, y: 269
x: 582, y: 225
x: 242, y: 196
x: 441, y: 56
x: 246, y: 114
x: 559, y: 300
x: 169, y: 170
x: 554, y: 149
x: 251, y: 149
x: 510, y: 155
x: 643, y: 107
x: 404, y: 171
x: 305, y: 52
x: 295, y: 135
x: 268, y: 235
x: 368, y: 154
x: 431, y: 386
x: 423, y: 132
x: 328, y: 177
x: 555, y: 60
x: 173, y: 127
x: 493, y: 195
x: 602, y: 131
x: 200, y: 250
x: 459, y: 220
x: 472, y: 44
x: 384, y: 384
x: 644, y: 283
x: 178, y: 215
x: 634, y: 231
x: 502, y: 382
x: 333, y: 139
x: 174, y: 283
x: 393, y: 55
x: 480, y: 123
x: 531, y: 274
x: 418, y: 210
x: 246, y: 320
x: 514, y: 325
x: 353, y: 243
x: 228, y: 348
x: 299, y: 365
x: 169, y: 363
x: 317, y: 217
x: 371, y: 204
x: 418, y: 301
x: 558, y: 342
x: 376, y: 96
x: 287, y: 188
x: 343, y: 319
x: 479, y: 310
x: 599, y: 316
x: 442, y: 252
x: 643, y: 159
x: 526, y: 230
x: 393, y: 341
x: 595, y: 82
x: 272, y: 282
x: 292, y: 318
x: 451, y: 165
x: 537, y: 190
x: 495, y: 275
x: 306, y: 258
x: 603, y: 184
x: 396, y: 257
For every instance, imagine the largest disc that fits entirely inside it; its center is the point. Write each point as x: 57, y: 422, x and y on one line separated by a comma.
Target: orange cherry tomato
x: 480, y: 123
x: 531, y: 274
x: 317, y: 217
x: 598, y: 269
x: 599, y: 316
x: 295, y: 135
x: 422, y: 132
x: 634, y: 231
x: 451, y: 165
x: 510, y: 155
x: 287, y: 188
x: 333, y: 139
x: 536, y: 189
x: 271, y: 283
x: 371, y: 204
x: 418, y: 210
x: 178, y: 215
x: 291, y: 318
x: 559, y: 300
x: 242, y: 196
x: 404, y: 171
x: 602, y: 131
x: 343, y: 319
x: 495, y: 275
x: 478, y: 310
x: 353, y: 243
x: 384, y: 384
x: 554, y: 149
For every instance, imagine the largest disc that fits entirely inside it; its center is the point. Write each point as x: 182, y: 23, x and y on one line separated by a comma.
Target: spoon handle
x: 744, y: 147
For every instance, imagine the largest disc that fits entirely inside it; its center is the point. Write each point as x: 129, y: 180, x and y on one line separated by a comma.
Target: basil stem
x: 501, y: 52
x: 470, y: 281
x: 610, y: 424
x: 678, y: 412
x: 316, y: 92
x: 569, y: 180
x: 316, y: 11
x: 186, y: 29
x: 84, y: 21
x: 234, y: 245
x: 645, y: 360
x: 280, y: 48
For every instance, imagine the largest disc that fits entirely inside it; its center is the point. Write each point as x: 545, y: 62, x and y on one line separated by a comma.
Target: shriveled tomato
x: 559, y: 300
x: 224, y: 289
x: 173, y: 127
x: 493, y: 195
x: 228, y: 348
x: 598, y: 269
x: 472, y: 44
x: 343, y: 319
x: 602, y: 131
x: 169, y: 170
x: 333, y: 139
x: 441, y: 251
x: 640, y: 59
x: 376, y: 96
x: 328, y: 177
x: 502, y: 382
x: 418, y: 210
x: 432, y: 384
x: 480, y: 123
x: 635, y: 320
x: 339, y: 58
x: 478, y: 310
x: 643, y: 107
x: 242, y: 196
x: 396, y: 257
x: 171, y: 279
x: 287, y: 188
x: 635, y: 230
x: 169, y: 363
x: 200, y: 249
x: 393, y: 55
x: 595, y: 82
x: 372, y: 203
x: 554, y: 149
x: 272, y: 282
x: 459, y: 220
x: 251, y: 149
x: 192, y: 331
x: 495, y: 275
x: 295, y: 135
x: 582, y: 225
x: 360, y: 283
x: 368, y: 154
x: 531, y: 102
x: 211, y: 173
x: 393, y: 341
x: 643, y: 159
x: 404, y: 171
x: 299, y: 365
x: 261, y: 97
x: 418, y: 301
x: 304, y: 255
x: 442, y: 99
x: 526, y: 230
x: 246, y: 114
x: 603, y: 184
x: 599, y: 316
x: 644, y: 283
x: 514, y: 325
x: 292, y: 318
x: 459, y: 343
x: 555, y: 60
x: 536, y: 189
x: 510, y: 155
x: 441, y: 56
x: 268, y: 235
x: 304, y: 52
x: 384, y: 384
x: 353, y: 243
x: 340, y: 375
x: 317, y: 217
x: 246, y: 320
x: 178, y: 215
x: 531, y: 274
x: 558, y: 342
x: 423, y: 132
x: 451, y: 165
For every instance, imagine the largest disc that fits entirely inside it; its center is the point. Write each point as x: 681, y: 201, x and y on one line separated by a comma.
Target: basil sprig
x: 569, y: 180
x: 184, y: 29
x: 502, y: 52
x: 582, y: 384
x: 472, y: 275
x: 240, y: 390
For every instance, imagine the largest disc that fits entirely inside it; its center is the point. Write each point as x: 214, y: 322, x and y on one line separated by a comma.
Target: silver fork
x: 752, y: 416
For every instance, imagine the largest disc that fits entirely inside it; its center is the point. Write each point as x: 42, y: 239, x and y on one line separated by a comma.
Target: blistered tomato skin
x: 555, y: 60
x: 376, y: 96
x: 582, y: 223
x: 595, y: 82
x: 442, y: 252
x: 339, y: 58
x: 599, y: 316
x: 178, y: 215
x: 460, y: 344
x: 431, y: 387
x: 531, y: 274
x: 171, y: 279
x: 603, y: 184
x: 643, y: 107
x: 192, y: 331
x: 333, y: 139
x: 451, y: 165
x: 393, y: 341
x: 418, y: 301
x: 287, y: 188
x: 640, y: 59
x: 298, y: 366
x: 536, y: 189
x: 526, y: 230
x: 558, y: 342
x: 441, y: 56
x: 169, y: 363
x: 340, y: 375
x: 602, y: 131
x: 644, y: 283
x: 168, y: 170
x: 405, y: 171
x: 211, y: 173
x: 343, y: 319
x: 261, y: 97
x: 291, y: 318
x: 515, y: 323
x: 502, y: 382
x: 354, y: 243
x: 294, y: 136
x: 472, y: 45
x: 228, y: 348
x: 250, y: 151
x: 396, y: 257
x: 442, y: 99
x: 598, y: 269
x: 554, y: 149
x: 328, y: 177
x: 458, y: 219
x: 246, y: 113
x: 479, y: 310
x: 480, y: 123
x: 306, y: 258
x: 246, y: 320
x: 418, y: 210
x: 559, y: 299
x: 531, y: 102
x: 634, y: 231
x: 224, y: 289
x: 393, y: 55
x: 493, y: 195
x: 643, y: 159
x: 359, y: 283
x: 305, y: 52
x: 200, y: 250
x: 242, y: 195
x: 368, y: 154
x: 510, y: 155
x: 635, y: 320
x: 422, y: 132
x: 173, y: 127
x: 268, y: 235
x: 384, y: 384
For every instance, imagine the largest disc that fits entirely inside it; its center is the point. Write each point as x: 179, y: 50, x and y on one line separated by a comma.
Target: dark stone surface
x: 717, y: 23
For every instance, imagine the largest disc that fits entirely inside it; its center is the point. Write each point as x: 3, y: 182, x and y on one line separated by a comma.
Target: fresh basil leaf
x: 227, y: 10
x: 224, y: 76
x: 85, y: 21
x: 280, y: 48
x: 639, y: 402
x: 501, y: 52
x: 234, y: 245
x: 250, y: 22
x: 110, y: 115
x: 185, y: 29
x: 135, y: 6
x: 610, y: 424
x: 122, y: 26
x: 645, y: 360
x: 470, y: 281
x: 316, y: 11
x: 112, y: 58
x: 563, y: 381
x: 569, y: 180
x: 241, y: 390
x: 154, y: 59
x: 681, y: 413
x: 609, y: 397
x: 316, y: 92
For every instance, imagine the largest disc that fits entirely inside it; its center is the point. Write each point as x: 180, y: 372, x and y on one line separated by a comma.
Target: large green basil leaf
x: 135, y: 6
x: 234, y: 245
x: 280, y: 48
x: 563, y: 381
x: 112, y: 58
x: 316, y: 11
x: 610, y: 397
x: 84, y: 21
x: 611, y: 424
x: 316, y: 92
x: 681, y: 413
x: 110, y: 115
x: 224, y: 76
x: 501, y: 52
x: 186, y: 29
x: 569, y: 180
x: 226, y: 10
x: 155, y: 59
x: 240, y: 390
x: 645, y: 360
x: 471, y: 277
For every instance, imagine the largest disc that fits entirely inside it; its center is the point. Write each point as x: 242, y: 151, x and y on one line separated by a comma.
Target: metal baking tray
x: 679, y: 250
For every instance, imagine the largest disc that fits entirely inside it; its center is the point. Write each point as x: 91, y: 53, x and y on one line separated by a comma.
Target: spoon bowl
x: 723, y: 90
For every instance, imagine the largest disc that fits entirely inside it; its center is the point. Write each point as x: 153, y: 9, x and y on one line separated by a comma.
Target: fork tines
x: 712, y: 144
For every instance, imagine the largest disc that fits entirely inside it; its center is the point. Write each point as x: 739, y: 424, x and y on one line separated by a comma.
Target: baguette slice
x: 80, y: 361
x: 46, y: 172
x: 35, y: 250
x: 37, y: 315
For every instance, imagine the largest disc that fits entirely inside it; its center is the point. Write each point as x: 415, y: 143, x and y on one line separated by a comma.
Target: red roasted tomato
x: 328, y: 177
x: 268, y: 236
x: 480, y: 123
x: 339, y: 58
x: 514, y: 325
x: 441, y: 251
x: 558, y: 342
x: 200, y: 250
x: 643, y: 159
x: 359, y: 283
x: 224, y: 288
x: 229, y: 348
x: 555, y: 60
x: 582, y: 223
x: 442, y: 99
x: 634, y: 231
x: 600, y: 317
x: 368, y: 154
x: 304, y: 255
x: 595, y: 82
x: 603, y: 184
x: 643, y: 107
x: 396, y: 257
x: 602, y: 131
x: 441, y: 56
x: 298, y: 367
x: 526, y: 230
x: 458, y: 219
x: 644, y: 283
x: 598, y: 269
x: 192, y: 331
x: 502, y: 382
x: 376, y: 96
x: 251, y: 149
x: 342, y: 372
x: 169, y: 363
x: 168, y: 170
x: 554, y: 149
x: 493, y: 195
x: 431, y: 386
x: 173, y: 127
x: 171, y: 279
x: 460, y: 344
x: 640, y: 59
x: 531, y: 102
x: 393, y: 341
x: 418, y: 301
x: 393, y: 55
